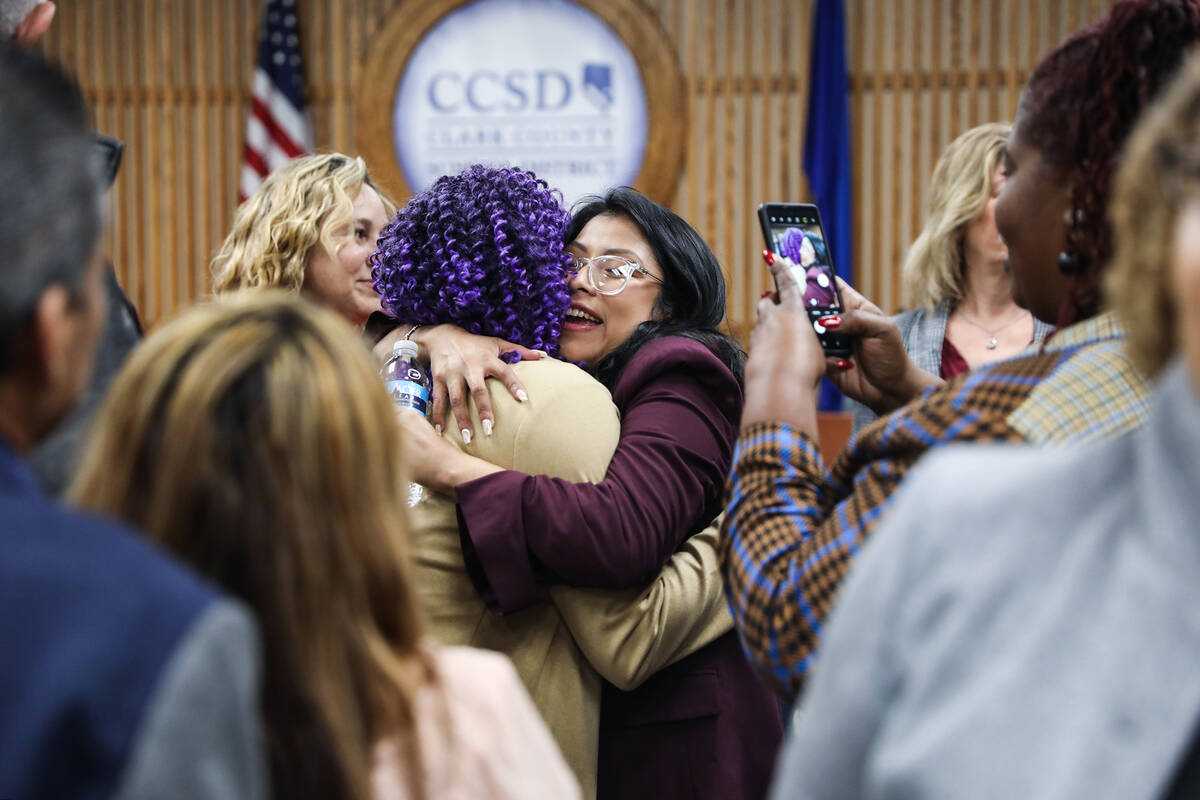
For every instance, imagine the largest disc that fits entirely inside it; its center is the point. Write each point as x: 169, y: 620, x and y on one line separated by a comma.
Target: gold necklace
x: 992, y: 342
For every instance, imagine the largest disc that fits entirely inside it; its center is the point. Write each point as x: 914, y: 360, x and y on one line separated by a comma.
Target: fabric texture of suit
x: 568, y: 429
x: 679, y: 406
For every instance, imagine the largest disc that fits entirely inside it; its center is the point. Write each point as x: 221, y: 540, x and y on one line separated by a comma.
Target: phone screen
x: 795, y: 232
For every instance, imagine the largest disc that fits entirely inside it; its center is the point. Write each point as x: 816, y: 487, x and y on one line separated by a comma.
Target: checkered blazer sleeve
x: 792, y: 529
x: 790, y: 533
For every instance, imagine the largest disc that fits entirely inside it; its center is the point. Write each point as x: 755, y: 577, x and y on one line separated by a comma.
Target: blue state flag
x: 827, y: 147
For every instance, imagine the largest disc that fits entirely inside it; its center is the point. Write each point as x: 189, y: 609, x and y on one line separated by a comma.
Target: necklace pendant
x: 991, y: 343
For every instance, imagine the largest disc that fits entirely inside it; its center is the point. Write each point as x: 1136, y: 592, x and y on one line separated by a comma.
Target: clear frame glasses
x: 609, y: 274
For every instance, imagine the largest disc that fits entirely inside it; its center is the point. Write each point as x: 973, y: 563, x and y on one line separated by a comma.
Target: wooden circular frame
x: 637, y: 26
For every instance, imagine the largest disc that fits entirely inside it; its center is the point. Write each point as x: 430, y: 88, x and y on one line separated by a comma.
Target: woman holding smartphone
x: 973, y: 634
x: 792, y: 528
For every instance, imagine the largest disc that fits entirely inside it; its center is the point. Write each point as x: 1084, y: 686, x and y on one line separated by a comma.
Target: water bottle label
x: 410, y: 395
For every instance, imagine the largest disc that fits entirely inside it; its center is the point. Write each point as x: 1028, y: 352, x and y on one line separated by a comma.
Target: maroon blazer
x: 704, y: 727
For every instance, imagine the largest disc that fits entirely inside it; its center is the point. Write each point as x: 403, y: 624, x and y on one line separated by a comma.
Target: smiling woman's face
x: 342, y: 281
x: 598, y: 324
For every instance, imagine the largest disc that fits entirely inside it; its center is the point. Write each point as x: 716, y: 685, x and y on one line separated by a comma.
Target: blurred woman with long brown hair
x: 253, y: 440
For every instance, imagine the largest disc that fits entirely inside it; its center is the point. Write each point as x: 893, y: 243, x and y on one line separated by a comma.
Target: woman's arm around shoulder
x: 680, y: 408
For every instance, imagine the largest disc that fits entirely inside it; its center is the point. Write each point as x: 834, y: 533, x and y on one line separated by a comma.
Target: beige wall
x: 171, y: 77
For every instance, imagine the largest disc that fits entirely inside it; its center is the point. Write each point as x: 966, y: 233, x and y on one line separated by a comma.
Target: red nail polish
x: 768, y: 257
x: 831, y: 322
x: 844, y: 364
x: 766, y: 293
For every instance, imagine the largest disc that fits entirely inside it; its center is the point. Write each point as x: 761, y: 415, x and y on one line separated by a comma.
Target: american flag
x: 278, y: 129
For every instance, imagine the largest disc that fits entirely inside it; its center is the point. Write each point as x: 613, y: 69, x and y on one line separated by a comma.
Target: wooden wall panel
x: 171, y: 78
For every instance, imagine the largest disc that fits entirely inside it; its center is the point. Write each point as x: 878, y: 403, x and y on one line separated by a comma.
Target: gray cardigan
x: 1025, y: 624
x: 923, y: 333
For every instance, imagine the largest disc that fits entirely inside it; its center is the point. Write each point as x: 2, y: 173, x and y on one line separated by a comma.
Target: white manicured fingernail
x: 438, y: 429
x: 521, y: 395
x: 487, y: 427
x: 466, y: 435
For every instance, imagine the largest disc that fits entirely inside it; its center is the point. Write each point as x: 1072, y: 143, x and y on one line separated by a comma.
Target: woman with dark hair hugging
x: 572, y: 487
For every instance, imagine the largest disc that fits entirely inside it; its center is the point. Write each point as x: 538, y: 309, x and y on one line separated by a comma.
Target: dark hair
x: 1080, y: 106
x: 820, y: 250
x: 50, y: 191
x: 692, y: 300
x: 482, y: 249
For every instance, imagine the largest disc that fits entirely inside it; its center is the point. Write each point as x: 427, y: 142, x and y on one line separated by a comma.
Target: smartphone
x: 794, y: 230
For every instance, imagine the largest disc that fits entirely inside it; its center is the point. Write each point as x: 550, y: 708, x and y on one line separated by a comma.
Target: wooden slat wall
x: 171, y: 77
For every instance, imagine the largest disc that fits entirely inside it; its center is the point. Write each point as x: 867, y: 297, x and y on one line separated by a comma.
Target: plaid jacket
x: 792, y: 528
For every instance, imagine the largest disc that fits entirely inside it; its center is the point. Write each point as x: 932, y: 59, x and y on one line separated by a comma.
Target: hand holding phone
x: 794, y: 231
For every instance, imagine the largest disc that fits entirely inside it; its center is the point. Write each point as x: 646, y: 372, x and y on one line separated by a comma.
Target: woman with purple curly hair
x: 482, y: 250
x: 563, y: 489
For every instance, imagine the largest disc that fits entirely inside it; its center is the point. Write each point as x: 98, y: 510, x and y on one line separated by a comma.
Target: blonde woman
x: 254, y: 441
x: 309, y: 228
x: 956, y: 273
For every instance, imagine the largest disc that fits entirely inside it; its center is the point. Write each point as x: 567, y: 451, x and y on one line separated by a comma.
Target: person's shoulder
x: 907, y: 319
x: 567, y: 428
x: 91, y: 552
x: 998, y: 387
x: 922, y: 331
x: 497, y: 746
x: 465, y: 664
x: 201, y: 728
x: 476, y: 681
x: 553, y: 386
x: 671, y: 351
x: 676, y: 355
x: 981, y: 500
x: 551, y: 377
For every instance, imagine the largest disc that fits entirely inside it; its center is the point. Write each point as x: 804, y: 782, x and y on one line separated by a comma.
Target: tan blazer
x: 568, y: 428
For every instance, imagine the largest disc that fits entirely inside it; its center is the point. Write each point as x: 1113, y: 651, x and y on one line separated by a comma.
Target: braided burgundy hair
x: 1081, y: 104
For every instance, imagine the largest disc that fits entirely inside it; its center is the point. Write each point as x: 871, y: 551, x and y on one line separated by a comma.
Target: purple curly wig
x: 483, y: 250
x: 790, y: 244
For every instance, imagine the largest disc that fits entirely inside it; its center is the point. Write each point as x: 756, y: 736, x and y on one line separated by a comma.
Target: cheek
x: 352, y: 257
x: 1001, y: 212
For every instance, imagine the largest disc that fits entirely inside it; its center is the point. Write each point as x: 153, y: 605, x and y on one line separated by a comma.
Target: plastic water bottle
x: 410, y: 387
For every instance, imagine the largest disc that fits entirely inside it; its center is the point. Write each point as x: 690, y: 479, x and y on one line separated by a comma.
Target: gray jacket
x: 923, y: 334
x: 201, y: 737
x: 1026, y: 624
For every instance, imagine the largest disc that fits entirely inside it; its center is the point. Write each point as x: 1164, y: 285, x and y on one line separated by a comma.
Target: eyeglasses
x: 609, y: 274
